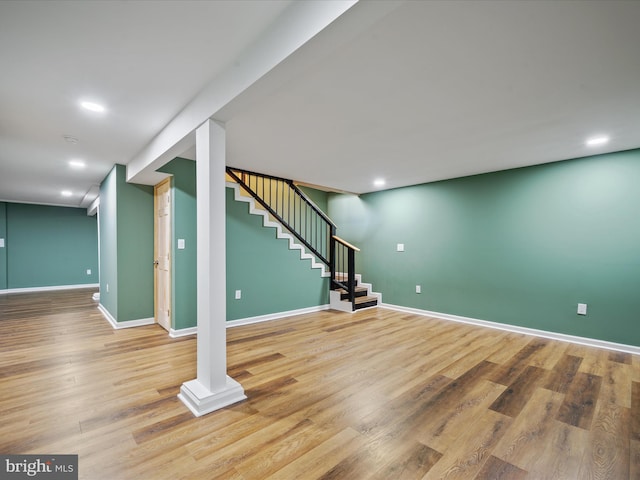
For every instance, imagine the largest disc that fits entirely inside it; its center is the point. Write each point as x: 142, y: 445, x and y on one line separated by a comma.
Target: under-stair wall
x: 271, y: 277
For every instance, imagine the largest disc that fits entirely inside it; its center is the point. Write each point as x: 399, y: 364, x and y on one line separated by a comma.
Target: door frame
x: 158, y: 190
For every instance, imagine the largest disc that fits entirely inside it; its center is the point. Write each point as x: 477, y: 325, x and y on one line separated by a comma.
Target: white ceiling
x: 438, y: 90
x: 144, y: 59
x: 411, y: 91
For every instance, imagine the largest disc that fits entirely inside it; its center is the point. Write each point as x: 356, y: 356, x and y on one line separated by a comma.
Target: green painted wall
x: 126, y: 247
x: 521, y: 247
x: 184, y: 261
x: 135, y: 250
x: 47, y: 246
x: 107, y: 216
x: 320, y: 198
x: 272, y: 277
x: 3, y: 250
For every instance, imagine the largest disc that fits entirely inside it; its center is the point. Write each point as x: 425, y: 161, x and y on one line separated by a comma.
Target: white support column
x: 212, y: 389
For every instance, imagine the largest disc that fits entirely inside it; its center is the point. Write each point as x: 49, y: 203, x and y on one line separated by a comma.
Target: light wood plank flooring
x: 372, y: 395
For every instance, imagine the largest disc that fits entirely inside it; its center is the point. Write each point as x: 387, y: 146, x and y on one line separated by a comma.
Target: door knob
x: 155, y: 263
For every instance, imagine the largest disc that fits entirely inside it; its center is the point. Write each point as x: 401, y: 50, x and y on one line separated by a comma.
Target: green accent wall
x: 183, y: 261
x: 521, y: 247
x: 272, y: 278
x: 126, y: 247
x: 47, y: 246
x: 320, y: 198
x: 3, y: 250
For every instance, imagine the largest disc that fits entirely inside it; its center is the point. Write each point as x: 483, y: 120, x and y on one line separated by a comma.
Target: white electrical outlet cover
x: 400, y: 247
x: 582, y: 309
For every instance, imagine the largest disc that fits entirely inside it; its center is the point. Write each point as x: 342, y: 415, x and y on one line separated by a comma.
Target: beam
x: 299, y: 23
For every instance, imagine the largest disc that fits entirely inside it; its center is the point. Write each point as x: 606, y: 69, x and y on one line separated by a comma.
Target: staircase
x: 285, y: 207
x: 363, y: 296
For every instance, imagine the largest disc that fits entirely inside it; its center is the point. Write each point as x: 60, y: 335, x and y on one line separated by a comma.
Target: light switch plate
x: 400, y: 247
x: 1, y: 242
x: 582, y: 309
x: 238, y: 294
x: 181, y: 244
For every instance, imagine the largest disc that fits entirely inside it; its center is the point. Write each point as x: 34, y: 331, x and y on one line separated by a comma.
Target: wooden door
x: 162, y: 249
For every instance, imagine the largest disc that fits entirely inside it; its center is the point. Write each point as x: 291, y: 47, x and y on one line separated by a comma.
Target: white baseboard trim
x: 589, y: 342
x: 183, y: 332
x: 48, y: 289
x: 127, y: 324
x: 275, y: 316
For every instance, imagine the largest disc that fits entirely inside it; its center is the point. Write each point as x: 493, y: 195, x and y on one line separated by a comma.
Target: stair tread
x: 358, y: 289
x: 366, y: 299
x: 341, y: 278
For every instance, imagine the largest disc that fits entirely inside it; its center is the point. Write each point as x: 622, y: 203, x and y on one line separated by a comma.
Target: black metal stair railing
x: 344, y: 274
x: 305, y: 221
x: 292, y: 208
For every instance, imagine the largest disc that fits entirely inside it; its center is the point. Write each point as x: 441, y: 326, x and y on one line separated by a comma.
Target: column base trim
x: 200, y: 401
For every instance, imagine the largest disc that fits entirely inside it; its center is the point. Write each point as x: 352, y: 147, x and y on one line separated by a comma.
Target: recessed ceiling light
x: 379, y: 182
x: 66, y: 193
x: 77, y: 164
x: 92, y: 106
x: 595, y: 141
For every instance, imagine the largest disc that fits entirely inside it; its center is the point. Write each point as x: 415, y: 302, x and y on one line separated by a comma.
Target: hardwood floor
x: 376, y: 394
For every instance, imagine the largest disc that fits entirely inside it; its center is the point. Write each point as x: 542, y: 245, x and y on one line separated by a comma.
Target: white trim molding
x: 563, y: 337
x: 183, y: 332
x: 48, y: 289
x: 275, y: 316
x: 251, y: 320
x: 127, y: 324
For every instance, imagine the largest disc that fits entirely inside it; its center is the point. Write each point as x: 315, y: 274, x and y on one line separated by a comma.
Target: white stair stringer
x: 267, y: 221
x: 335, y: 303
x: 369, y: 287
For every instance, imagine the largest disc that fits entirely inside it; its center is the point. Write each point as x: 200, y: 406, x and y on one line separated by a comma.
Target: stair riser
x: 372, y: 303
x: 345, y: 296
